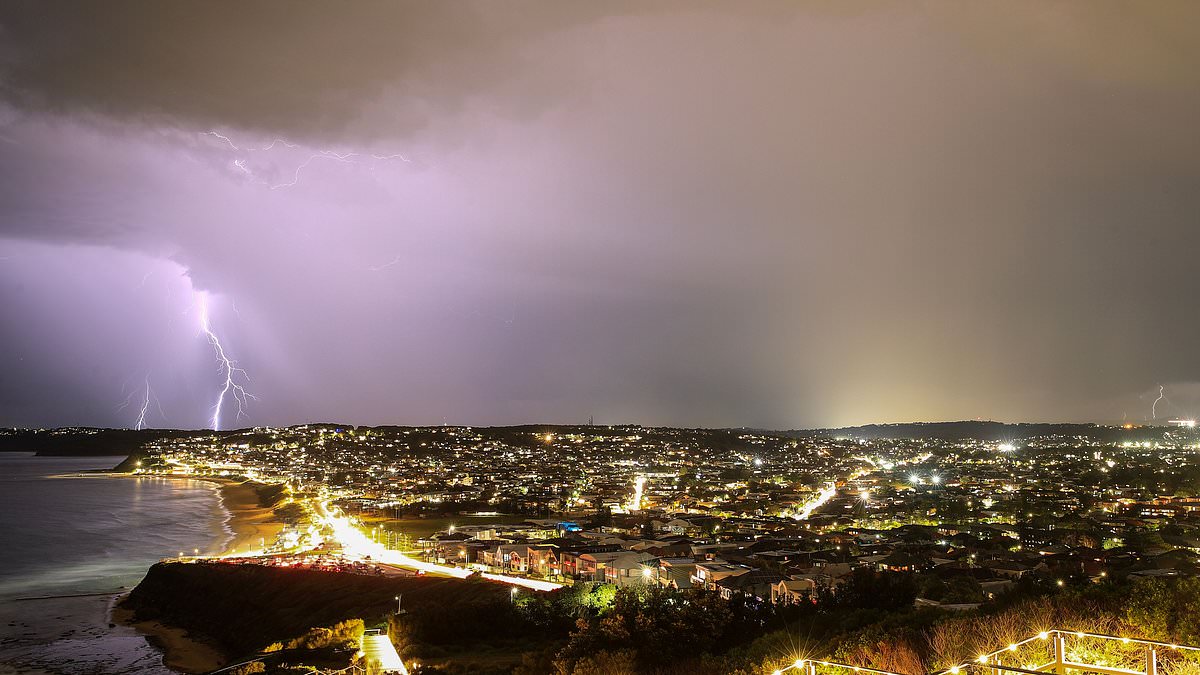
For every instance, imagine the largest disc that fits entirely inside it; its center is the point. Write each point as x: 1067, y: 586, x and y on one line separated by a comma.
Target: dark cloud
x: 761, y: 214
x: 301, y: 68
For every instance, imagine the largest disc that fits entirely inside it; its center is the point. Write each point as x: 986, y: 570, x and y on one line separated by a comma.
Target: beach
x: 88, y: 535
x: 250, y: 525
x: 180, y: 651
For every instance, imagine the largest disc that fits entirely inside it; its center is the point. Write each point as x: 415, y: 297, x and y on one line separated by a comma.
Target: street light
x: 398, y: 603
x: 512, y: 595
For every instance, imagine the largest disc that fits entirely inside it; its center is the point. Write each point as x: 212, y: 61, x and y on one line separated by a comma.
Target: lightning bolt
x: 279, y: 141
x: 148, y: 396
x: 223, y: 138
x: 1154, y: 406
x: 380, y: 268
x: 324, y: 154
x: 240, y: 162
x: 228, y: 369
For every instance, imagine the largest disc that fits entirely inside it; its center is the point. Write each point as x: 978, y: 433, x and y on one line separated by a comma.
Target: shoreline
x: 247, y: 526
x: 181, y: 652
x: 250, y: 526
x: 88, y: 628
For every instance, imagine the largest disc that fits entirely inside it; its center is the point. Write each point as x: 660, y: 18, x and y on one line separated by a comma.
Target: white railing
x: 1001, y: 661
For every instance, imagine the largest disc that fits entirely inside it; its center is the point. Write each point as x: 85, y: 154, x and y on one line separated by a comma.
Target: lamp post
x: 398, y: 603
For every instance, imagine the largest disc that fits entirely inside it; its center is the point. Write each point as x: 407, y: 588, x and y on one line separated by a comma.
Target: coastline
x: 250, y: 526
x: 85, y: 628
x: 247, y: 526
x: 181, y: 652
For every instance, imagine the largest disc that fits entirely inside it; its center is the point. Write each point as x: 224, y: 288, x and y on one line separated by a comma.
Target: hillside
x: 244, y: 608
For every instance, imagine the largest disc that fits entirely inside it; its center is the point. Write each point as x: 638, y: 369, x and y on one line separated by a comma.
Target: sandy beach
x: 251, y: 525
x: 181, y: 652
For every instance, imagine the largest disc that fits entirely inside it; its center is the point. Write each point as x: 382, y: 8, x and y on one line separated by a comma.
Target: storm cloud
x: 770, y: 214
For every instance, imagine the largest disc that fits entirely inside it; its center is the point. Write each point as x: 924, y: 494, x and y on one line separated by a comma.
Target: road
x: 379, y: 648
x: 356, y: 543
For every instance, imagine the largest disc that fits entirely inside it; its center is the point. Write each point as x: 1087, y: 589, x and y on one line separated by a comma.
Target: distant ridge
x: 984, y: 431
x: 128, y: 442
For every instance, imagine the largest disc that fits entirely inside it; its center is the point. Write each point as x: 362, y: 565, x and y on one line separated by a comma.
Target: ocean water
x: 63, y: 534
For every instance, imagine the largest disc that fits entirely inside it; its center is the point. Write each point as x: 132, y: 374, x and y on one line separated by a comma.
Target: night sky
x: 730, y: 214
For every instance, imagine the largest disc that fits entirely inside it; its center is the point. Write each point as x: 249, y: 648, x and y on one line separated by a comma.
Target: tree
x: 648, y: 529
x: 1165, y: 609
x: 867, y: 589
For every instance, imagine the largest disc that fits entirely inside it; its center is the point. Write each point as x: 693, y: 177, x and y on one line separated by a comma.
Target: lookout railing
x: 1052, y: 651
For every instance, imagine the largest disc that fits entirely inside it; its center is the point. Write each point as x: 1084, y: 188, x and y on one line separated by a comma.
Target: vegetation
x: 916, y: 641
x: 453, y: 626
x: 341, y: 635
x: 245, y: 609
x: 270, y: 494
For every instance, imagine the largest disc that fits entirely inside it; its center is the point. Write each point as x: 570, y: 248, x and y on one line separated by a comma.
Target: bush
x: 340, y: 635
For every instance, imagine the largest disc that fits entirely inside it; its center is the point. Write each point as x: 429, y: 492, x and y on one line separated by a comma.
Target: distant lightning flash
x: 221, y: 137
x: 380, y: 268
x: 148, y: 396
x: 240, y: 163
x: 227, y: 367
x: 1154, y: 406
x: 344, y: 158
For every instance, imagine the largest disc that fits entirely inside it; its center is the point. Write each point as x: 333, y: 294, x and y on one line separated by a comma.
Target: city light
x: 635, y: 502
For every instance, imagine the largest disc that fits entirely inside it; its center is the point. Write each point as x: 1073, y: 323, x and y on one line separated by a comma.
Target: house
x: 630, y: 569
x: 593, y: 566
x: 756, y: 584
x: 508, y: 556
x: 1010, y: 569
x: 902, y: 561
x: 543, y: 559
x: 570, y: 558
x: 679, y: 526
x: 793, y: 591
x: 707, y: 574
x: 675, y: 572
